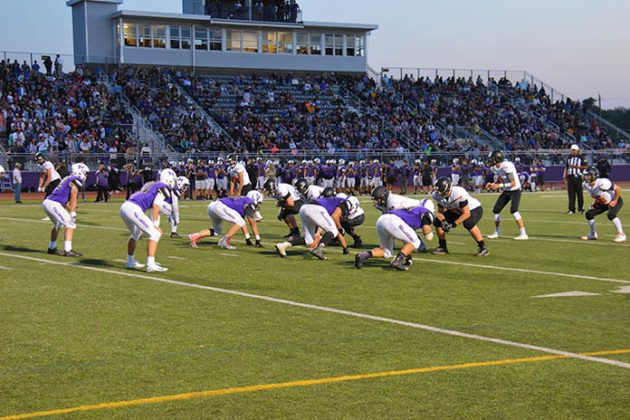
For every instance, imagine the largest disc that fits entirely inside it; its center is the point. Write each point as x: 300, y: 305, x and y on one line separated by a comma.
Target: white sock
x: 52, y: 244
x: 150, y: 261
x: 618, y: 225
x: 523, y: 232
x: 130, y: 259
x: 67, y: 246
x: 591, y: 226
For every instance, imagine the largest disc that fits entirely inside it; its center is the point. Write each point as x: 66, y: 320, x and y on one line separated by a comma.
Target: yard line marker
x: 292, y: 384
x: 623, y: 290
x: 225, y: 254
x: 173, y: 257
x: 4, y: 268
x: 332, y: 310
x: 575, y: 293
x: 523, y: 270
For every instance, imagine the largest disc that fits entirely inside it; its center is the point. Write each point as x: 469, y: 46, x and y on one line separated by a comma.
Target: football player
x: 289, y: 201
x: 240, y: 183
x: 307, y: 190
x: 352, y: 215
x: 507, y: 179
x: 49, y: 177
x: 151, y: 196
x: 235, y: 211
x: 401, y: 225
x: 322, y: 214
x: 385, y: 201
x: 607, y: 199
x: 170, y: 207
x: 457, y: 207
x: 61, y: 208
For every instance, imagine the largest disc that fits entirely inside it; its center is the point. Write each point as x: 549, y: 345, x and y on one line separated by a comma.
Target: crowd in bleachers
x: 75, y: 113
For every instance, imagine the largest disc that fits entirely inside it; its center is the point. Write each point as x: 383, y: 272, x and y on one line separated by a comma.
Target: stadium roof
x: 73, y: 2
x: 235, y: 22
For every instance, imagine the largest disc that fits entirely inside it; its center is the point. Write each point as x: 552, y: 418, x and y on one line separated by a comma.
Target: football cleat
x: 193, y: 240
x: 589, y: 237
x: 72, y: 253
x: 494, y: 235
x: 46, y: 219
x: 422, y: 248
x: 521, y: 237
x: 358, y: 243
x: 621, y: 237
x: 318, y: 252
x: 409, y: 261
x: 440, y: 251
x: 360, y: 258
x: 400, y: 263
x: 135, y: 265
x: 225, y: 243
x: 482, y: 252
x: 281, y: 249
x: 156, y: 268
x: 54, y: 251
x: 175, y: 235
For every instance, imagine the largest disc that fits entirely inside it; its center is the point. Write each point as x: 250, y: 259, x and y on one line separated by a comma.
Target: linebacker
x: 607, y: 199
x: 506, y: 178
x: 457, y: 207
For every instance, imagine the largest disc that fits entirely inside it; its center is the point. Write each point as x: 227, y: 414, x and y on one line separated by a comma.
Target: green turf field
x: 309, y: 338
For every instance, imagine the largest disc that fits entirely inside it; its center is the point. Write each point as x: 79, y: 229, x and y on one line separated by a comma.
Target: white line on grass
x: 523, y: 270
x: 173, y: 257
x: 327, y: 309
x: 4, y: 268
x: 225, y: 254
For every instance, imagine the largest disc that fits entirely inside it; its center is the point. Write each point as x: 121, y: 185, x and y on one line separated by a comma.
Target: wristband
x: 73, y: 214
x: 156, y: 222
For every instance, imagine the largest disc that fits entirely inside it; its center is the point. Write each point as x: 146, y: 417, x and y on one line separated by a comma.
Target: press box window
x: 159, y: 36
x: 144, y: 38
x: 131, y: 38
x: 216, y: 39
x: 201, y: 39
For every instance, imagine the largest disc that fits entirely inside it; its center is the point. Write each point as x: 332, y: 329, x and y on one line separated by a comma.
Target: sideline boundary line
x: 332, y: 310
x: 293, y: 384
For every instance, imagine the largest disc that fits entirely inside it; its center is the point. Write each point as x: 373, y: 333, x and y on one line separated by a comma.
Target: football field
x: 540, y: 328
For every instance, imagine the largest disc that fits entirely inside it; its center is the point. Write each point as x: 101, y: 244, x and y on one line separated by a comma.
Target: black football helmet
x: 380, y: 195
x: 496, y: 157
x: 231, y: 160
x: 40, y: 158
x: 444, y: 186
x: 301, y: 185
x: 591, y: 174
x: 270, y: 186
x: 328, y: 192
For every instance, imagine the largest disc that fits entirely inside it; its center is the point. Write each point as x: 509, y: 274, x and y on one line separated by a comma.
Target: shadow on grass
x: 96, y: 263
x: 23, y: 250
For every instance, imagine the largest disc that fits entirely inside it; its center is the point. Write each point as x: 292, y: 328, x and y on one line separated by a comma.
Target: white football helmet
x: 169, y: 177
x: 80, y: 170
x: 256, y: 197
x: 183, y: 183
x: 1, y: 171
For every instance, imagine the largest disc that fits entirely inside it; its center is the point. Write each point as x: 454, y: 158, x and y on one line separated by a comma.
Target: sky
x: 580, y: 47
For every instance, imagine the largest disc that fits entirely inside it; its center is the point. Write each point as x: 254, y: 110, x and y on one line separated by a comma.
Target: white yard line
x: 225, y: 254
x: 523, y: 270
x: 327, y: 309
x: 4, y: 268
x: 173, y: 257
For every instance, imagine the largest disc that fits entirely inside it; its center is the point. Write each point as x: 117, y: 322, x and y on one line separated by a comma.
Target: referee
x: 573, y: 179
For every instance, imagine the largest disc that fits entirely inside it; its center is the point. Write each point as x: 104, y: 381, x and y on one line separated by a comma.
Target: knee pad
x: 517, y: 216
x: 429, y: 237
x: 155, y: 236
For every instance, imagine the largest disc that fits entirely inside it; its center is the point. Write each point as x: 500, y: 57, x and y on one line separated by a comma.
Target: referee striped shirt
x: 574, y: 161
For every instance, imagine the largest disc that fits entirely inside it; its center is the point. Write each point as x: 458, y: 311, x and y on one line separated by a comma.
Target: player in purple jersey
x: 320, y: 215
x: 61, y: 207
x: 401, y: 225
x: 235, y: 211
x: 151, y: 196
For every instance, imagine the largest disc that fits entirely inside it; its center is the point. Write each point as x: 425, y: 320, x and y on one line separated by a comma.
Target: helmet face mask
x: 301, y: 185
x: 270, y: 186
x: 591, y: 174
x: 328, y: 192
x: 496, y: 157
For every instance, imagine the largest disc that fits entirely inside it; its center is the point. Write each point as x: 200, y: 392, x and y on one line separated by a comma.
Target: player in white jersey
x: 506, y: 178
x: 289, y: 201
x: 170, y: 206
x: 240, y: 184
x: 607, y: 199
x: 49, y: 177
x: 385, y: 201
x: 457, y: 207
x: 352, y: 216
x: 308, y: 190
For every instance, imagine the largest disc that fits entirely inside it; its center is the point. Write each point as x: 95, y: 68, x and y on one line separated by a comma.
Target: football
x: 605, y: 197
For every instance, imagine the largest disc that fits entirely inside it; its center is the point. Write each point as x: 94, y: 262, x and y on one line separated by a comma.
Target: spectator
x: 58, y: 66
x: 17, y: 182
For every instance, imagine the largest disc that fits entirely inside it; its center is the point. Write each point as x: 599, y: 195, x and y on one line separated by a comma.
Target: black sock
x: 370, y: 254
x: 297, y: 240
x: 327, y: 238
x: 442, y: 243
x: 481, y: 244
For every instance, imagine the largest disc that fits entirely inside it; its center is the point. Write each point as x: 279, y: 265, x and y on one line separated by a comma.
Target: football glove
x: 447, y: 227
